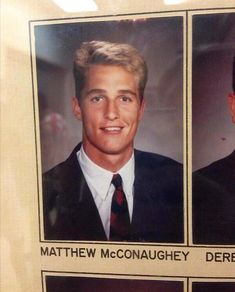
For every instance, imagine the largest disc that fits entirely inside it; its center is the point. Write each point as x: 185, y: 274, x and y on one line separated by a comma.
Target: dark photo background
x: 160, y: 40
x: 85, y: 284
x: 213, y: 132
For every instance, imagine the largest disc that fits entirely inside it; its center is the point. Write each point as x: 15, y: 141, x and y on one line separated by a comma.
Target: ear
x: 231, y: 102
x: 142, y: 109
x: 76, y: 108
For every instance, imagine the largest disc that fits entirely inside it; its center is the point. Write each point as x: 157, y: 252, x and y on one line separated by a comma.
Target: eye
x: 96, y: 98
x: 126, y: 98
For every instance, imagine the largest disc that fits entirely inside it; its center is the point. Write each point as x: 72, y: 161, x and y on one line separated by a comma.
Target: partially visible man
x: 214, y: 196
x: 106, y: 190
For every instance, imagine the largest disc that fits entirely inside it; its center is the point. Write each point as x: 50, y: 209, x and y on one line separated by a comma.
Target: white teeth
x: 113, y: 129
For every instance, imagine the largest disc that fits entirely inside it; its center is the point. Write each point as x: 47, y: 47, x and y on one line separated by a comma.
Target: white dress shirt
x: 99, y: 183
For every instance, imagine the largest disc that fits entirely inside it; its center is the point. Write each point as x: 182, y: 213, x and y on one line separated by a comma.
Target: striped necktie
x: 120, y: 220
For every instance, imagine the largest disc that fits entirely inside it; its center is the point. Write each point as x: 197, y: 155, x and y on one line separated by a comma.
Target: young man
x: 214, y: 196
x: 106, y: 190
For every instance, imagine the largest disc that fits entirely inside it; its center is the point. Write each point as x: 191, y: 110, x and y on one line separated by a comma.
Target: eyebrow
x: 103, y: 91
x: 95, y: 90
x: 127, y: 91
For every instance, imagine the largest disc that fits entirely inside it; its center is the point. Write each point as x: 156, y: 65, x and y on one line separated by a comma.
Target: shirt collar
x: 101, y: 178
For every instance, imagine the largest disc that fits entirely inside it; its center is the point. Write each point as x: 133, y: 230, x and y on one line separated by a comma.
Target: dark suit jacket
x: 214, y: 203
x: 70, y: 212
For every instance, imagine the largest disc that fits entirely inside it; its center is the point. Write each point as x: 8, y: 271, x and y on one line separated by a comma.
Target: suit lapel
x: 145, y: 209
x: 142, y: 204
x: 155, y: 211
x: 77, y: 204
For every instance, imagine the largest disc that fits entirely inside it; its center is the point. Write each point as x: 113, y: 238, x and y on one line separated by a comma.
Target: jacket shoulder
x: 64, y: 170
x: 155, y: 160
x: 221, y: 171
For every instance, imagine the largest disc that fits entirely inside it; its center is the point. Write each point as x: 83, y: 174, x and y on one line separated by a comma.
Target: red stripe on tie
x: 120, y: 220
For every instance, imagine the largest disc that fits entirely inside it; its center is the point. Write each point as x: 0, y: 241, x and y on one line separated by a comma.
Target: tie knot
x: 117, y: 180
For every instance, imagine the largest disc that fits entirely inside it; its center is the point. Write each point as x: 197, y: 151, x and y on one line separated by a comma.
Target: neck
x: 112, y: 162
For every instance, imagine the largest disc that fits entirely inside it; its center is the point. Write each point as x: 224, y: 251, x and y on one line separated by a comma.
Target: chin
x: 114, y: 150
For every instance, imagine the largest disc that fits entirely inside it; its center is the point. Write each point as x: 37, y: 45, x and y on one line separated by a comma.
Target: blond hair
x: 106, y: 53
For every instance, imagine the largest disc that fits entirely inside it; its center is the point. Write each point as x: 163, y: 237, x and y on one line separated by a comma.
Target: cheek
x: 133, y: 115
x: 133, y: 122
x: 91, y: 118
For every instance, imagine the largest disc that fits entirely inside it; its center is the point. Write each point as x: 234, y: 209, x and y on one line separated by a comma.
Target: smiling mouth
x: 114, y: 129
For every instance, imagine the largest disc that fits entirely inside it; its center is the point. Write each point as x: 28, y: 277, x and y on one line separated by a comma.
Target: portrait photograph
x: 110, y: 103
x: 213, y: 129
x: 88, y: 284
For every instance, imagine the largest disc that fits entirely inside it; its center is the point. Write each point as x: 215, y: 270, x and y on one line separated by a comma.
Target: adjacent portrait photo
x: 110, y: 97
x: 213, y: 286
x: 213, y: 129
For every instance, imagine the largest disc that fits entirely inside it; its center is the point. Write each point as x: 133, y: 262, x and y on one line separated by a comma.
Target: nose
x: 111, y: 111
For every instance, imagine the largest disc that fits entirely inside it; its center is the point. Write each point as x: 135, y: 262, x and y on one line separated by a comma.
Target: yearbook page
x: 117, y: 146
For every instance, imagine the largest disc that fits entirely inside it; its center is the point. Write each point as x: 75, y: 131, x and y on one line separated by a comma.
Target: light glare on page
x: 76, y: 5
x: 172, y: 2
